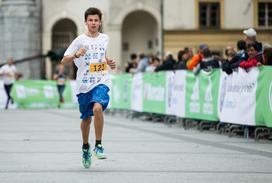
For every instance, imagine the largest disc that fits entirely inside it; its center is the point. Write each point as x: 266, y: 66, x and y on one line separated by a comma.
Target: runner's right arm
x: 70, y: 58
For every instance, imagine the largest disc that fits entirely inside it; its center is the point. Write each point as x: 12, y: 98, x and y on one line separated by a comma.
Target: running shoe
x: 99, y: 152
x: 86, y: 158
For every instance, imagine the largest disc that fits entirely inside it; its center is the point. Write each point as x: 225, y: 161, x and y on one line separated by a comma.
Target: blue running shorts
x: 99, y: 94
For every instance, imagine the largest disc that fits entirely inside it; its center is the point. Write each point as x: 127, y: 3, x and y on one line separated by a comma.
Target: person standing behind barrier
x: 60, y: 76
x: 132, y: 64
x: 252, y: 50
x: 88, y: 52
x: 226, y: 63
x: 143, y: 63
x: 168, y: 63
x: 267, y: 55
x: 251, y: 36
x: 9, y: 72
x: 196, y: 59
x: 209, y: 62
x: 183, y: 57
x: 155, y: 62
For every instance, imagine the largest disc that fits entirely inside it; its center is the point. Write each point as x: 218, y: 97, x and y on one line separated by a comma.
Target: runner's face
x: 93, y: 23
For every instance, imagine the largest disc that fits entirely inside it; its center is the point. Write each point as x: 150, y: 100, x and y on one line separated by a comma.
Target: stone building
x: 33, y: 27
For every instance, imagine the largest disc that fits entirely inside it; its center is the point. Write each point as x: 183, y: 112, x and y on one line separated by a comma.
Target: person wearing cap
x: 251, y: 36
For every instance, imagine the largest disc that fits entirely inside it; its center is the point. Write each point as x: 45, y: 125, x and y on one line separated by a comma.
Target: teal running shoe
x: 99, y: 152
x: 86, y: 158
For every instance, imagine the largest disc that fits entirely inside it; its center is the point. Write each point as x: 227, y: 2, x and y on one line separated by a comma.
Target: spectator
x: 233, y: 63
x: 192, y: 63
x: 230, y: 54
x: 208, y: 61
x: 155, y: 62
x: 267, y: 55
x: 143, y: 63
x: 183, y: 57
x: 191, y: 52
x: 168, y: 63
x: 252, y: 50
x: 251, y: 36
x: 132, y: 64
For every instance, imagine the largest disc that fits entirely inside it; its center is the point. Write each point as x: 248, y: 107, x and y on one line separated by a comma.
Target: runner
x: 88, y: 51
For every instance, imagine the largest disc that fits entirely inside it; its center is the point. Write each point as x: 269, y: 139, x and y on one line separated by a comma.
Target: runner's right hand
x: 81, y: 52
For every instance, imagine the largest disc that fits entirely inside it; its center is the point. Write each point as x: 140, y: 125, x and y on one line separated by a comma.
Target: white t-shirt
x: 11, y: 71
x: 92, y: 67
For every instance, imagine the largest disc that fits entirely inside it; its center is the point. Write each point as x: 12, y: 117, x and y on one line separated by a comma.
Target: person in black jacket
x: 183, y: 57
x: 267, y: 55
x: 208, y: 61
x: 168, y: 64
x: 234, y: 59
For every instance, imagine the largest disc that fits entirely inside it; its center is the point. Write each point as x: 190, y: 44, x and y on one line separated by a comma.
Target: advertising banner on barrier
x: 121, y: 91
x: 137, y: 92
x: 40, y: 94
x: 238, y: 97
x: 175, y: 93
x: 264, y: 97
x: 202, y: 95
x: 154, y: 92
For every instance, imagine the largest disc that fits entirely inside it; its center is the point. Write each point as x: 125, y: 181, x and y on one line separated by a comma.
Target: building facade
x: 148, y: 26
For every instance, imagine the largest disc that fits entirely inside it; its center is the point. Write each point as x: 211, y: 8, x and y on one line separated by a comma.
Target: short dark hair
x: 141, y: 56
x: 267, y: 52
x: 133, y: 56
x: 206, y: 52
x: 93, y: 11
x: 180, y: 54
x: 252, y: 45
x: 241, y: 45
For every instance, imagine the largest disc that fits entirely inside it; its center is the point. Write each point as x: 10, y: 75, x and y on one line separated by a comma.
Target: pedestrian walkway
x: 42, y: 146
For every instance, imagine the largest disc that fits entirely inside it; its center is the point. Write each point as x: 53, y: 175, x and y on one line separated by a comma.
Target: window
x: 209, y: 15
x: 150, y: 44
x: 265, y: 14
x: 125, y: 46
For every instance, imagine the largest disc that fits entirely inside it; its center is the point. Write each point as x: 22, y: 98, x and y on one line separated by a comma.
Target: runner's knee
x: 97, y: 108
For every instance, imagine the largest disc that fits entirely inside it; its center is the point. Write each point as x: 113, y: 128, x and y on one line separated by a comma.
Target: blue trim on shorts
x: 99, y: 94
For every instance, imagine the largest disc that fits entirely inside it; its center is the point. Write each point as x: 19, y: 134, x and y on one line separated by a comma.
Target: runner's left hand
x: 111, y: 63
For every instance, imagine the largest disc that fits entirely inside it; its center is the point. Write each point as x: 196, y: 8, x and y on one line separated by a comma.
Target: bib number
x: 97, y: 67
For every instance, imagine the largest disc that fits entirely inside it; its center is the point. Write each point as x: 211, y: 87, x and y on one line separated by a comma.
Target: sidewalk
x: 42, y: 146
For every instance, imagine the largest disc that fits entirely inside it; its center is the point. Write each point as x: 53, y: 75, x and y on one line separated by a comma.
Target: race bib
x: 98, y: 67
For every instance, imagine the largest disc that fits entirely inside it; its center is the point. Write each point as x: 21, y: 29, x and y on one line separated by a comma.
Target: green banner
x: 264, y: 97
x: 40, y: 94
x: 121, y: 91
x: 154, y: 92
x: 202, y: 95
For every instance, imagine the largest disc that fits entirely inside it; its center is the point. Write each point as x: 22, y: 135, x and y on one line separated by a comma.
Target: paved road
x: 42, y: 146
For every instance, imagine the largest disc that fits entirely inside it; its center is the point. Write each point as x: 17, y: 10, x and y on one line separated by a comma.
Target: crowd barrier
x: 243, y: 98
x: 37, y: 94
